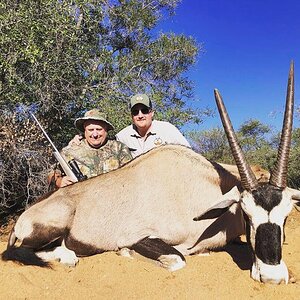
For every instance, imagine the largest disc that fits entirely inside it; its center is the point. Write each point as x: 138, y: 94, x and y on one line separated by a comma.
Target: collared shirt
x: 93, y: 161
x: 160, y: 133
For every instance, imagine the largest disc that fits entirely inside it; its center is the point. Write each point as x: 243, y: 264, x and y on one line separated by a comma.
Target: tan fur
x: 157, y: 194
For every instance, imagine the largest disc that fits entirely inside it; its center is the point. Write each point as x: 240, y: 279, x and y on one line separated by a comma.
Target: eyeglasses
x: 144, y: 111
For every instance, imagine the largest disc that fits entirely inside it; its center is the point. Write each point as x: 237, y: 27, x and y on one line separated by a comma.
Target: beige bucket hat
x: 93, y: 114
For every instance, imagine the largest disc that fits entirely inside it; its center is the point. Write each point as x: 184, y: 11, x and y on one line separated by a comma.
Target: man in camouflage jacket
x: 95, y: 154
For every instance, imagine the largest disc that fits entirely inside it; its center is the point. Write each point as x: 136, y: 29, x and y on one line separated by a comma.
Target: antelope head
x: 265, y: 205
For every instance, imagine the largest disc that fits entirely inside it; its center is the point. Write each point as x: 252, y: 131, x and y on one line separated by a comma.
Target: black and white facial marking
x: 266, y: 209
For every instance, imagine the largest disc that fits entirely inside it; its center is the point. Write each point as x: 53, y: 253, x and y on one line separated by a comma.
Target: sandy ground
x: 221, y: 275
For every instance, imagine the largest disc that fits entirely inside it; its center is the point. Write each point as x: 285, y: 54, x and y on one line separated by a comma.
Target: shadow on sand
x: 240, y: 254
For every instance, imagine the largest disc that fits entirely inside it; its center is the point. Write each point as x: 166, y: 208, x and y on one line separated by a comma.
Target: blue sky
x: 248, y: 46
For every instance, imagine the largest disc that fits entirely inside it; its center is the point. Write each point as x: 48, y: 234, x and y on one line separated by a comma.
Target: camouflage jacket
x: 93, y: 162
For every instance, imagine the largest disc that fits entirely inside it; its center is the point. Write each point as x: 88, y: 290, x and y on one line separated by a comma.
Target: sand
x: 221, y: 275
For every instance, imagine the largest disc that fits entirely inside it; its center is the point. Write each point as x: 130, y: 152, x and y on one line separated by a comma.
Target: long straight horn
x: 248, y: 179
x: 279, y: 174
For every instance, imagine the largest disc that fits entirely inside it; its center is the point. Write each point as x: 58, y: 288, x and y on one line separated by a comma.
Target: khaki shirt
x: 92, y: 161
x: 160, y: 133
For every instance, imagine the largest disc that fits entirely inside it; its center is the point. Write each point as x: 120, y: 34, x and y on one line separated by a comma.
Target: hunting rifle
x: 71, y: 168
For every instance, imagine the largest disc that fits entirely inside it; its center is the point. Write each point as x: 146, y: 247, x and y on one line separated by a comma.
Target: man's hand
x: 76, y: 140
x: 63, y: 181
x: 58, y: 180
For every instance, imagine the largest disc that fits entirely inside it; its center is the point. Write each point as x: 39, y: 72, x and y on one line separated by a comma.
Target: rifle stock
x: 65, y: 166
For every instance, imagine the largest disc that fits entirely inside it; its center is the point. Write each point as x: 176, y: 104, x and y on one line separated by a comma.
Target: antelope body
x: 165, y: 204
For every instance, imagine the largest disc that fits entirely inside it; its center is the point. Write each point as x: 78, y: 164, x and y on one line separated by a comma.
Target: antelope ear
x: 216, y: 211
x: 230, y: 198
x: 295, y: 195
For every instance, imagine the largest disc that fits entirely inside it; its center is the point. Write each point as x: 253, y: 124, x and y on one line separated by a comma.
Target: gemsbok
x: 165, y: 204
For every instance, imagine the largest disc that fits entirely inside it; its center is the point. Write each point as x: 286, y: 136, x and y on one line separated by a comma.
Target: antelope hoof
x: 171, y: 262
x: 66, y: 256
x: 126, y: 252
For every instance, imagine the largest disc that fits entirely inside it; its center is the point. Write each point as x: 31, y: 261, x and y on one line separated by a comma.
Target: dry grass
x: 5, y: 229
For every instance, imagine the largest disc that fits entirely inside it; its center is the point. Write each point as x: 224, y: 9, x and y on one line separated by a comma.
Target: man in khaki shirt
x: 146, y: 133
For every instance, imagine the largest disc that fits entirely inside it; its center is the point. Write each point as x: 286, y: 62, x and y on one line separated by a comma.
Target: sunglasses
x: 144, y: 111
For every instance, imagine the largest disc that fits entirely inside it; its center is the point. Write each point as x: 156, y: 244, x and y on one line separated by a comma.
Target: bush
x: 24, y: 163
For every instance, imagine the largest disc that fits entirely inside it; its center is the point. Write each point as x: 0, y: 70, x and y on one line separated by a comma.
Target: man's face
x: 95, y: 133
x: 142, y: 116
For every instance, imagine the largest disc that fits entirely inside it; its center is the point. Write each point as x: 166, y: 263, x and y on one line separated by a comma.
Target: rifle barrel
x: 44, y: 132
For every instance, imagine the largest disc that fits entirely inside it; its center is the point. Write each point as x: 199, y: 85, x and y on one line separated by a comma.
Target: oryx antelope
x: 165, y: 204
